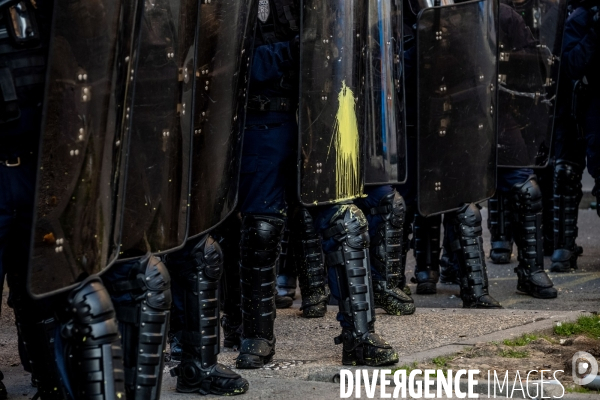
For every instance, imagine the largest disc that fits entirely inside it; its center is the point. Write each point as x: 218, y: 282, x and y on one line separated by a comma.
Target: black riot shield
x: 226, y: 33
x: 457, y: 118
x: 385, y: 121
x: 332, y: 101
x: 76, y: 224
x: 529, y: 62
x: 160, y: 111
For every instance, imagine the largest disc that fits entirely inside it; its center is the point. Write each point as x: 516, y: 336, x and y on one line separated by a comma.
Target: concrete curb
x: 540, y: 323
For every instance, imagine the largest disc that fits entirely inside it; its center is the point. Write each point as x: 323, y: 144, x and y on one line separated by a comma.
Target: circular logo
x: 585, y: 368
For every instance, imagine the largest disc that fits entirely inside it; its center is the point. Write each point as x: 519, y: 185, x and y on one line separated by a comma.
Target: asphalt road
x: 579, y: 290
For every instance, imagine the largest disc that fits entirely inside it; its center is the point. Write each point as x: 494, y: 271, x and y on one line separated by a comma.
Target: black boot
x: 350, y: 260
x: 426, y: 239
x: 260, y: 247
x: 386, y: 257
x: 500, y: 229
x: 3, y: 392
x: 311, y: 266
x: 567, y: 196
x: 468, y: 245
x: 527, y: 211
x: 143, y: 323
x: 199, y: 371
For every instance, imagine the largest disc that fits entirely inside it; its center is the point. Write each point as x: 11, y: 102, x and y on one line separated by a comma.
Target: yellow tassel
x: 348, y: 184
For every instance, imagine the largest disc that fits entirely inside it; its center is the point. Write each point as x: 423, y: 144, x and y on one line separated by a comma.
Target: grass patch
x: 510, y: 353
x: 407, y: 368
x: 441, y: 362
x: 585, y: 325
x: 580, y: 389
x: 521, y: 341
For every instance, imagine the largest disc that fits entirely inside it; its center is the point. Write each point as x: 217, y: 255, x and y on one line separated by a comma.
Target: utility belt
x: 274, y: 104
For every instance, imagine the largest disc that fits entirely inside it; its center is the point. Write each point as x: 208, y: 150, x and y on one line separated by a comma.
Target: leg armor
x: 286, y: 273
x: 499, y: 224
x: 311, y: 266
x: 231, y: 322
x: 143, y: 324
x: 468, y: 245
x: 386, y: 257
x: 92, y: 348
x: 350, y: 260
x: 567, y: 195
x: 38, y: 341
x: 407, y: 231
x: 449, y: 263
x: 260, y: 248
x: 427, y: 253
x: 199, y: 371
x: 527, y: 211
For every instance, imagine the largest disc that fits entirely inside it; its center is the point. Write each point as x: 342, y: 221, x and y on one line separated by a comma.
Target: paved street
x: 307, y: 360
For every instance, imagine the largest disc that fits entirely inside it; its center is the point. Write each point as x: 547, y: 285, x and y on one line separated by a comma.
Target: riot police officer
x: 580, y: 62
x: 268, y: 161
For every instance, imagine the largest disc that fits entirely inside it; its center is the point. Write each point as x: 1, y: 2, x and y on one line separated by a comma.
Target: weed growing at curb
x: 588, y: 325
x: 408, y: 368
x: 510, y: 353
x: 521, y: 341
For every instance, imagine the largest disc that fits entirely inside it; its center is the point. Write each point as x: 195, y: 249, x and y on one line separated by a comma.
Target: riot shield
x: 385, y: 122
x: 226, y: 33
x: 158, y: 165
x: 529, y: 62
x: 76, y: 226
x: 332, y: 101
x: 457, y: 122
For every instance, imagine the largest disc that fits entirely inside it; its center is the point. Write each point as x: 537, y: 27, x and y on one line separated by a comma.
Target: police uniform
x: 267, y: 173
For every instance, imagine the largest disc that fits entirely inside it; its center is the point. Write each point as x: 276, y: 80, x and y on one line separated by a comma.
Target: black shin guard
x: 93, y: 349
x: 527, y: 211
x: 386, y: 257
x: 567, y: 195
x: 260, y: 247
x: 311, y: 266
x: 468, y: 245
x: 499, y: 224
x: 144, y: 326
x: 38, y: 340
x: 350, y: 260
x: 199, y: 371
x: 426, y: 237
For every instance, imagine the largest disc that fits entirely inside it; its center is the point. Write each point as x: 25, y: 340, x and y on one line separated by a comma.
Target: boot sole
x: 537, y: 295
x: 561, y: 267
x: 249, y: 361
x: 426, y: 288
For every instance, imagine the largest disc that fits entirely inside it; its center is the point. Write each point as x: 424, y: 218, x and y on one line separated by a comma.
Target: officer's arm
x: 272, y: 61
x: 579, y: 44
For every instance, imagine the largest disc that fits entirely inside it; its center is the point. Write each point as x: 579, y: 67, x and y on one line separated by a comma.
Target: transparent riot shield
x: 457, y: 112
x: 529, y: 62
x: 158, y: 165
x: 332, y: 101
x: 226, y: 33
x: 385, y: 121
x: 76, y: 225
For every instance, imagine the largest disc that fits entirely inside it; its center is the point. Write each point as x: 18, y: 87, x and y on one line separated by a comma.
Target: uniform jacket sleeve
x: 580, y: 44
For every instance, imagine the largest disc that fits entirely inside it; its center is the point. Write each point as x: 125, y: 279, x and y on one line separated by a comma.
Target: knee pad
x: 208, y: 256
x: 567, y: 178
x: 469, y: 220
x: 261, y: 237
x: 527, y: 196
x: 349, y: 226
